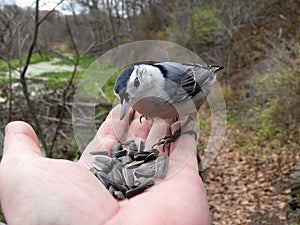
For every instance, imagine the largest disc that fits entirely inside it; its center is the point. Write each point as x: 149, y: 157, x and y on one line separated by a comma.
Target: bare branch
x: 51, y: 11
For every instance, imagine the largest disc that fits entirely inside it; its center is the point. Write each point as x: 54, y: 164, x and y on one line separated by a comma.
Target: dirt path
x: 42, y: 67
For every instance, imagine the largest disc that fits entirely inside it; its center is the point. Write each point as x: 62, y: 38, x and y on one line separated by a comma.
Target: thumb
x: 20, y: 139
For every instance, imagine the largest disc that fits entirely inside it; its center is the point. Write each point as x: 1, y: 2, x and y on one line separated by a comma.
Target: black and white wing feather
x: 184, y: 81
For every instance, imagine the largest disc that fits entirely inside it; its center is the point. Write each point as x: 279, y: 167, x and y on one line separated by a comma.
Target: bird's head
x: 132, y: 83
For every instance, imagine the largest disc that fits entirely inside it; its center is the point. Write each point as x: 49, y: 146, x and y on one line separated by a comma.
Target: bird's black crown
x: 123, y: 78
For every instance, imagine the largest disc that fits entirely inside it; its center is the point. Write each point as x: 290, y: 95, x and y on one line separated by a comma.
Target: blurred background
x: 45, y: 47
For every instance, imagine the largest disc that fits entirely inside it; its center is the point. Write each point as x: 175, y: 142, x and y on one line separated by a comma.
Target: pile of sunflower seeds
x: 130, y: 170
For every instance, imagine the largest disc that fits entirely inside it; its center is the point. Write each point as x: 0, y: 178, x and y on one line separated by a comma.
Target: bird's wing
x: 184, y: 81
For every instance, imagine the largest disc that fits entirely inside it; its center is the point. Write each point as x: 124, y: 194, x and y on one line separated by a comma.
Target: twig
x: 65, y: 91
x: 24, y: 82
x: 103, y: 94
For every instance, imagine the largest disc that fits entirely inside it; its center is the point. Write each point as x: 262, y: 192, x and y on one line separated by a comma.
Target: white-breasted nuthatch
x: 164, y: 89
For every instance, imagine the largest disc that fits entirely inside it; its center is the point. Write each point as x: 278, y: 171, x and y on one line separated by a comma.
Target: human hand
x: 39, y: 190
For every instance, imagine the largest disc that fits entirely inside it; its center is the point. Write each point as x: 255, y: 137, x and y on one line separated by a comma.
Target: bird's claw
x: 141, y: 117
x: 172, y: 138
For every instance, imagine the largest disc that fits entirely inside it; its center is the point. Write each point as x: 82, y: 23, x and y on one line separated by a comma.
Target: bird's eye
x: 136, y: 82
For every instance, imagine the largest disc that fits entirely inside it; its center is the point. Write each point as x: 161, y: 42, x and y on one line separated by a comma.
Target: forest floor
x: 249, y: 187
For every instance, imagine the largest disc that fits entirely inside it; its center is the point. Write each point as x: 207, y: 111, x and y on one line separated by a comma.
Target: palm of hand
x: 37, y: 190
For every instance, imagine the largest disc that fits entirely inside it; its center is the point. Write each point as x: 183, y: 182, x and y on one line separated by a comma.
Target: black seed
x: 146, y: 182
x: 125, y: 159
x: 102, y: 167
x: 144, y: 170
x: 133, y: 164
x: 128, y: 172
x: 111, y: 189
x: 131, y: 153
x: 151, y: 157
x: 116, y: 160
x: 128, y: 177
x: 116, y: 175
x: 94, y: 170
x: 134, y: 191
x: 108, y: 180
x: 116, y: 147
x: 118, y: 165
x: 103, y: 159
x: 99, y: 152
x: 141, y: 155
x: 154, y: 150
x: 119, y: 195
x: 120, y: 153
x: 141, y: 146
x: 162, y: 163
x: 127, y: 142
x: 103, y: 180
x: 132, y: 146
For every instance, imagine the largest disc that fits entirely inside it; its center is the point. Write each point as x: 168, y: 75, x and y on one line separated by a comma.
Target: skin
x: 39, y: 190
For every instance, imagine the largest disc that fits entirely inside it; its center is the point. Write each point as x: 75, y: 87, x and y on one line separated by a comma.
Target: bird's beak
x: 125, y: 108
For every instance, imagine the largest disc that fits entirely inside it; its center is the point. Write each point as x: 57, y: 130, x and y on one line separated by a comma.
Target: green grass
x: 59, y: 79
x: 95, y: 77
x: 2, y: 219
x: 56, y: 75
x: 36, y: 58
x: 84, y: 61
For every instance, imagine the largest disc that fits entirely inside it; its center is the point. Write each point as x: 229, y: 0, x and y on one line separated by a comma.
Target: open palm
x: 38, y: 190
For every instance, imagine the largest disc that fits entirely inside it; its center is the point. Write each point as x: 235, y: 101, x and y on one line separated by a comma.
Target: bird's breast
x: 157, y: 107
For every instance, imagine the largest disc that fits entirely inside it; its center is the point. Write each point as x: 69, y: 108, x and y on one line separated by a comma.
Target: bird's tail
x: 215, y: 68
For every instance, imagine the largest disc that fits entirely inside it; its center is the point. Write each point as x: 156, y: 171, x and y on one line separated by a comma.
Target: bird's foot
x: 172, y: 138
x: 141, y: 117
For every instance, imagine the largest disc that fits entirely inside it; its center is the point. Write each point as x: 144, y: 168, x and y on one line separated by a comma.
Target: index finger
x: 110, y: 132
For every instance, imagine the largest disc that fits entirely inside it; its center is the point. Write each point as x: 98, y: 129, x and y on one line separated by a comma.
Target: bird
x: 165, y: 90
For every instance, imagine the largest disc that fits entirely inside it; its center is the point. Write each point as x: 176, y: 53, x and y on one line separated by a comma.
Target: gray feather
x: 184, y: 81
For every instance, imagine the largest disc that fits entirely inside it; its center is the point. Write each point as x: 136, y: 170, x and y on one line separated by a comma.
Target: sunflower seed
x: 103, y: 180
x: 104, y: 159
x: 131, y: 153
x: 134, y: 164
x: 151, y: 157
x: 162, y: 163
x: 99, y: 152
x: 132, y: 146
x: 102, y: 167
x: 154, y: 150
x: 120, y: 153
x: 111, y: 189
x: 117, y: 194
x: 146, y: 182
x: 144, y: 170
x: 141, y: 155
x: 128, y: 172
x: 94, y: 170
x: 134, y: 191
x: 127, y: 142
x: 116, y: 147
x: 116, y: 175
x: 110, y: 181
x: 128, y: 177
x: 125, y: 159
x: 141, y: 146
